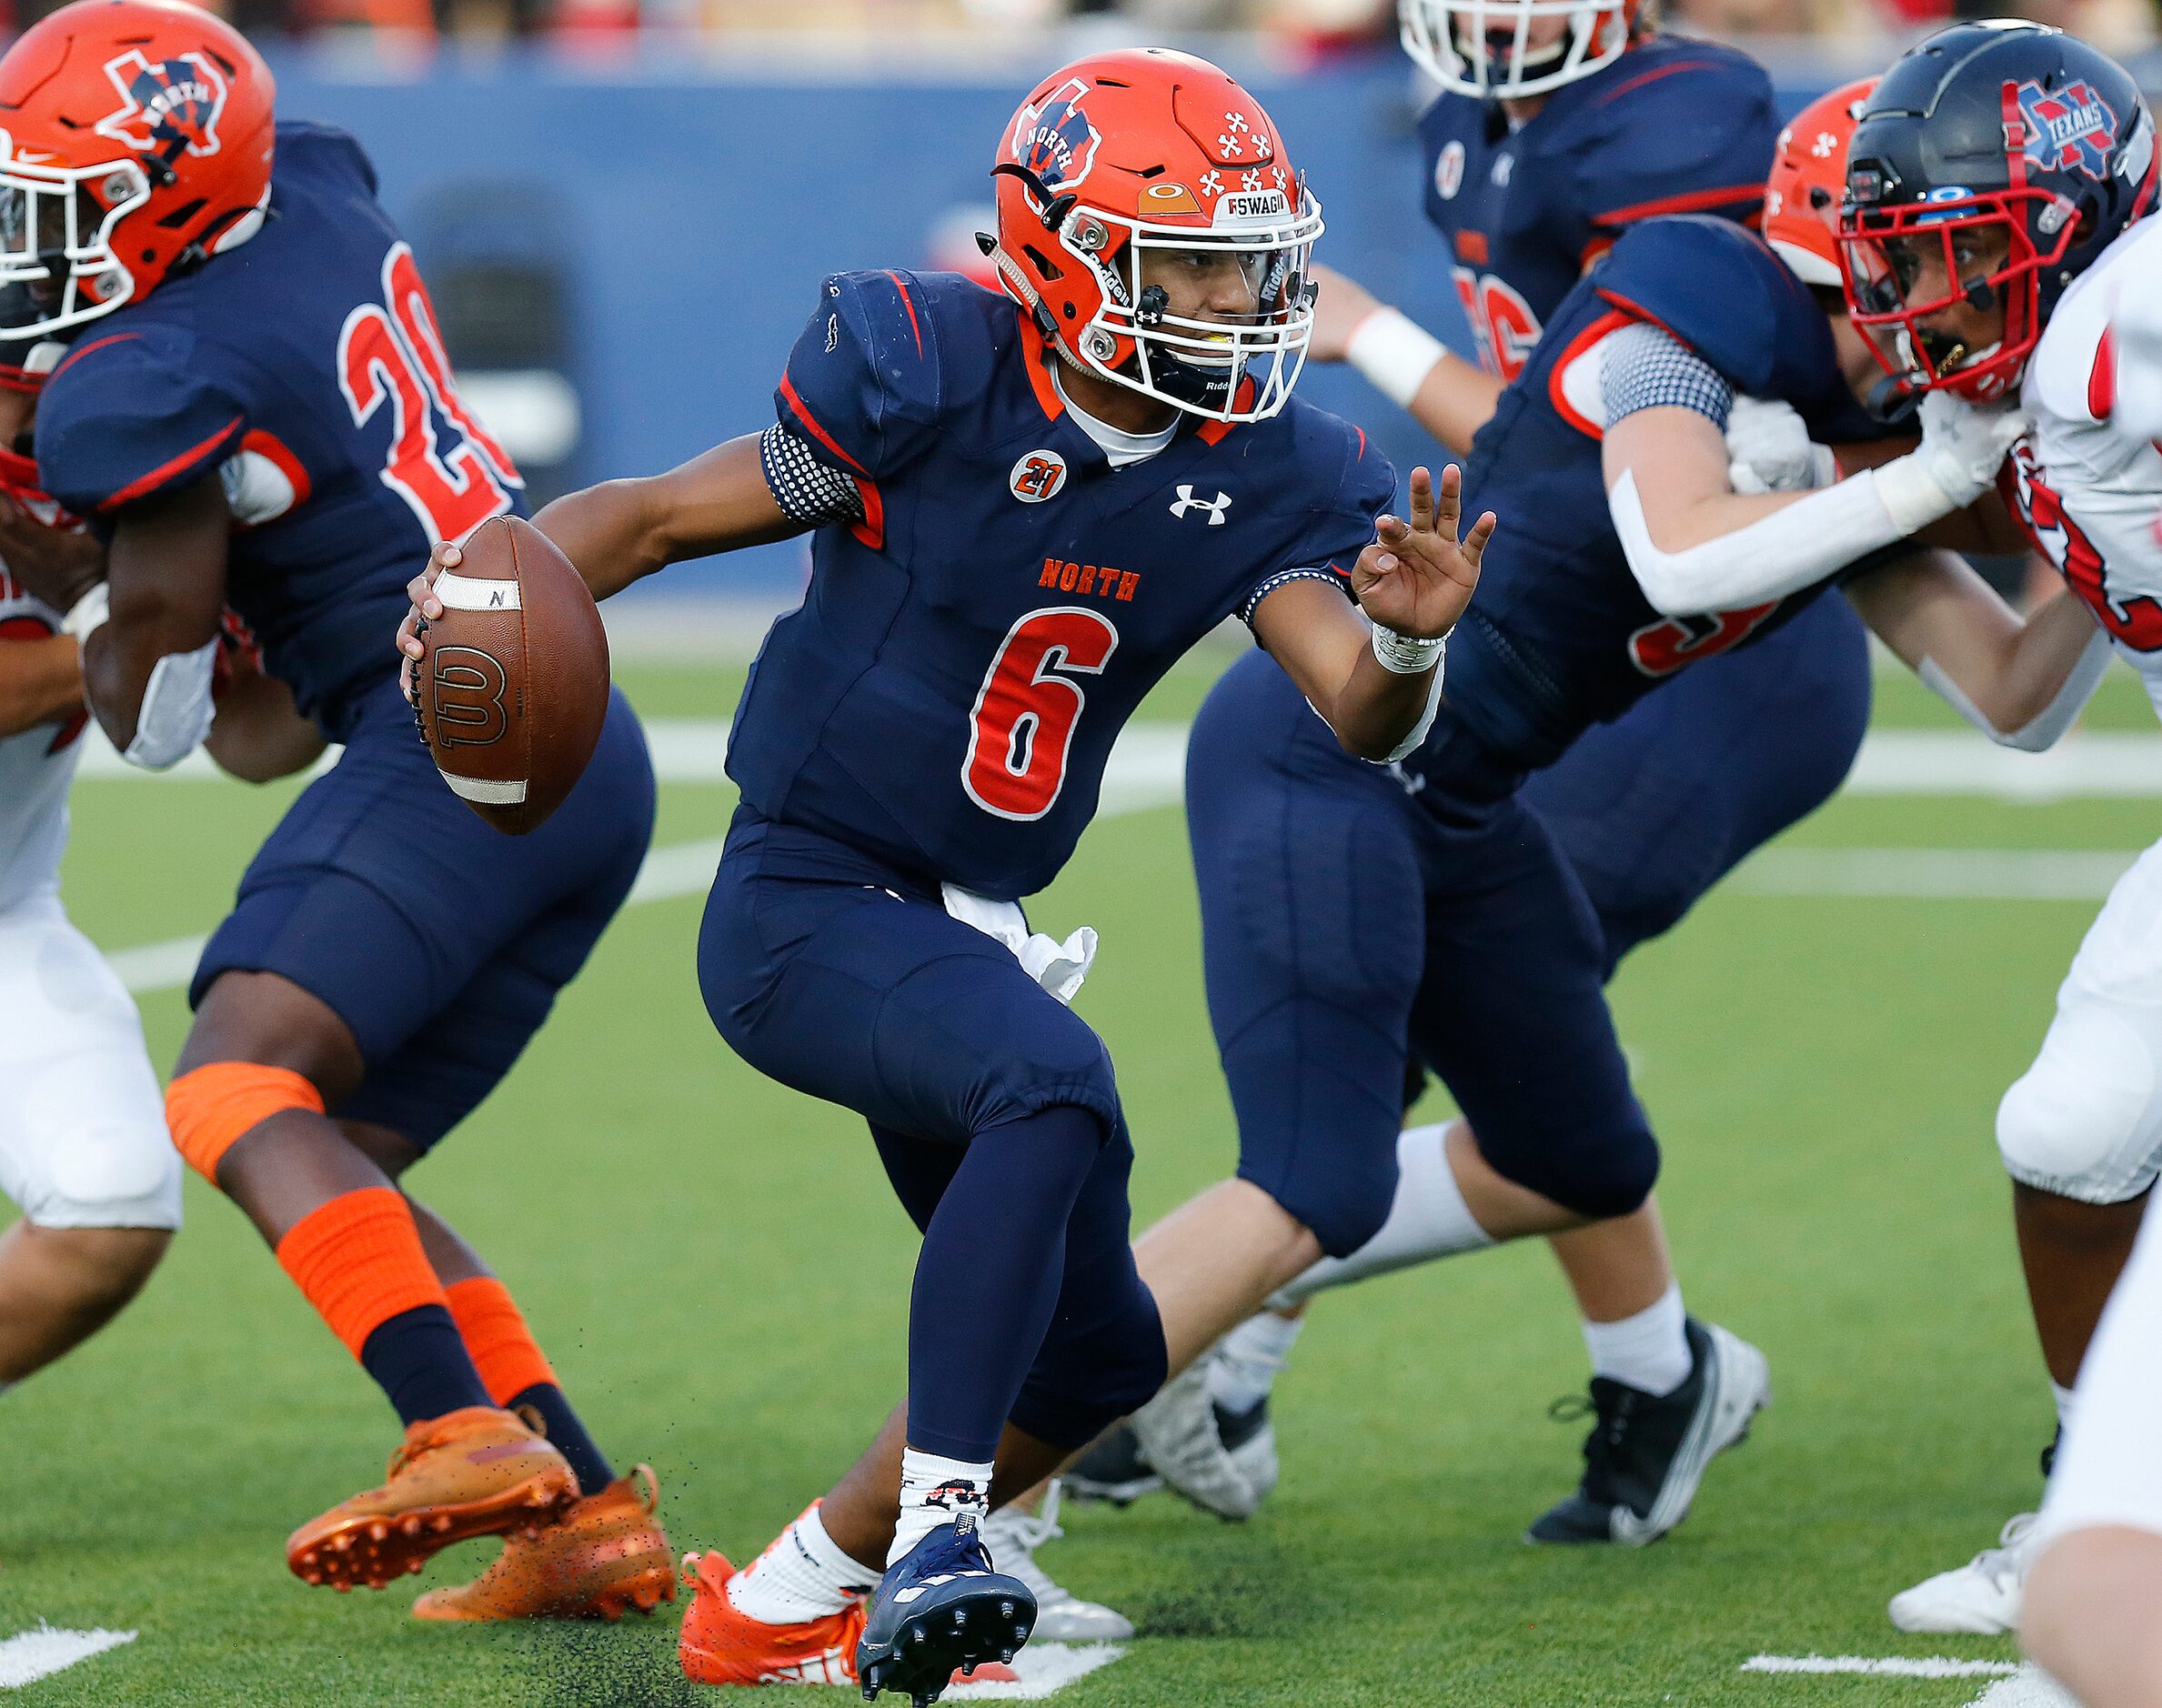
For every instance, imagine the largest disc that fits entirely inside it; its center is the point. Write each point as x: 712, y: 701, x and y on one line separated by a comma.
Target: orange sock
x: 359, y: 1260
x: 494, y: 1330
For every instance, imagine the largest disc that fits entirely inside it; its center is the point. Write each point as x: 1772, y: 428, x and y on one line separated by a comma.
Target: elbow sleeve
x: 176, y: 710
x: 1794, y: 548
x: 2047, y: 726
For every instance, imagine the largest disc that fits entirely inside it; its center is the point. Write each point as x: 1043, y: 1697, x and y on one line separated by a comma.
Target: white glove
x: 2136, y: 333
x: 1956, y: 462
x: 1058, y: 967
x: 1771, y: 451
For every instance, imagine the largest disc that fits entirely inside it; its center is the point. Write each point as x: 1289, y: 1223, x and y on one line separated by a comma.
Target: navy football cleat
x: 940, y: 1608
x: 1646, y: 1453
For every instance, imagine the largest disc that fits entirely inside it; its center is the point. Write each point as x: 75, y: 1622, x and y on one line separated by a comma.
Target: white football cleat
x: 1980, y: 1598
x: 1177, y: 1436
x: 1012, y: 1537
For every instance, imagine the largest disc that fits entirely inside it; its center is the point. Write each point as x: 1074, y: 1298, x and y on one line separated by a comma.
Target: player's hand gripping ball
x: 1417, y: 577
x: 510, y: 682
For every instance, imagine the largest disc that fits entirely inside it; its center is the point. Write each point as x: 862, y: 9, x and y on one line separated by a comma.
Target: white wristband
x: 87, y: 614
x: 1395, y: 354
x: 1404, y: 655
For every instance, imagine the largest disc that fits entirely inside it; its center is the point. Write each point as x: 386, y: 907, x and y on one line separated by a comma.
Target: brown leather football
x: 514, y: 686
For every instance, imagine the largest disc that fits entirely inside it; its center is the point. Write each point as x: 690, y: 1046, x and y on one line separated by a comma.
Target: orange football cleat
x: 609, y: 1555
x: 477, y: 1471
x: 722, y: 1646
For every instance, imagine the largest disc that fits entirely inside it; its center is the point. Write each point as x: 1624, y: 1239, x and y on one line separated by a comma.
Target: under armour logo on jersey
x: 1215, y: 507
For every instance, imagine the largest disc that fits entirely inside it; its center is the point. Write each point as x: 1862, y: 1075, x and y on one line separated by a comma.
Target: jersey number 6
x: 1022, y: 722
x: 397, y: 356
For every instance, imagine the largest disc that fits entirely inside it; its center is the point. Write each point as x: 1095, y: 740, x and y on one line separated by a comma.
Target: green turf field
x: 721, y: 1276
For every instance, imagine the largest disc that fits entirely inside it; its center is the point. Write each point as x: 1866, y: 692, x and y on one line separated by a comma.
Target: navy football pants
x: 850, y: 981
x: 385, y: 896
x: 1344, y: 923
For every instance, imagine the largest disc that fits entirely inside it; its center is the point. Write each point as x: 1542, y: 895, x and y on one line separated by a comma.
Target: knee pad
x: 211, y: 1107
x: 1599, y: 1175
x: 1085, y: 1380
x: 2082, y: 1121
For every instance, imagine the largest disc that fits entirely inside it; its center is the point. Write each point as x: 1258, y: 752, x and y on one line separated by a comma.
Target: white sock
x: 1249, y: 1359
x: 803, y: 1575
x: 2064, y: 1406
x: 1427, y: 1219
x: 935, y: 1491
x: 1649, y: 1351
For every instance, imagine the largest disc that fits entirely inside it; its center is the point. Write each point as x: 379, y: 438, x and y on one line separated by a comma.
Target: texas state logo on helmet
x: 1999, y: 159
x: 1120, y: 170
x: 1808, y: 177
x: 135, y: 139
x: 1514, y: 48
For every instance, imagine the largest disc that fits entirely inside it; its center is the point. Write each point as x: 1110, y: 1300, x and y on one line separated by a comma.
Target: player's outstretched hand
x: 1417, y: 577
x: 1339, y: 307
x: 427, y: 608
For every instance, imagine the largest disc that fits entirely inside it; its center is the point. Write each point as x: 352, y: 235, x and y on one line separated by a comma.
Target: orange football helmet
x: 1126, y: 173
x: 1808, y: 177
x: 135, y: 139
x: 1484, y: 47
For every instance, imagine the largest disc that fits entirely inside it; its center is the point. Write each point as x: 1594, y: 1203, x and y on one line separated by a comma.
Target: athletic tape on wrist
x: 1404, y: 655
x: 1395, y: 354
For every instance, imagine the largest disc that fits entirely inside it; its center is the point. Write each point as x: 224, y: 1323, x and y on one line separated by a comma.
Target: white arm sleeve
x: 2047, y: 726
x: 176, y: 710
x: 1811, y: 539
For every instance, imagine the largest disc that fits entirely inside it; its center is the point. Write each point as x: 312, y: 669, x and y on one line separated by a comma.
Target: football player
x: 257, y: 406
x: 84, y: 1153
x: 1558, y: 126
x: 2087, y: 1610
x: 1627, y: 538
x: 1027, y: 506
x: 1997, y: 195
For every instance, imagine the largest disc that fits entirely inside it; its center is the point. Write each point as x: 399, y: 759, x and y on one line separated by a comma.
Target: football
x: 514, y: 688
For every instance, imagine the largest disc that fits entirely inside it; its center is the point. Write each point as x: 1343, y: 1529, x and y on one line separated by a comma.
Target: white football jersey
x: 35, y: 768
x: 2090, y: 492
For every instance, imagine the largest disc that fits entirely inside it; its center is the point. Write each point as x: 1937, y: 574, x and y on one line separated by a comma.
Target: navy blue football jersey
x: 1559, y: 635
x: 947, y: 694
x: 306, y: 368
x: 1673, y: 126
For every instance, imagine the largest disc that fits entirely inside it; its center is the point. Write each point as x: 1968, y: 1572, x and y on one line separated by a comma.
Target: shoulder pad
x: 2072, y: 375
x: 1721, y: 291
x: 327, y: 148
x: 130, y: 414
x: 1691, y: 131
x: 864, y: 379
x: 1344, y: 511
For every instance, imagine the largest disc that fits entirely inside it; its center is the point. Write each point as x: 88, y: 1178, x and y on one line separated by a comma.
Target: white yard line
x: 2109, y: 763
x: 2029, y: 1687
x: 1889, y: 1667
x: 1044, y: 1668
x: 31, y: 1655
x: 1978, y: 874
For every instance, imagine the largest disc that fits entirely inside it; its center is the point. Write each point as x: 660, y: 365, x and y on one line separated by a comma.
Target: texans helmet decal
x: 2070, y: 130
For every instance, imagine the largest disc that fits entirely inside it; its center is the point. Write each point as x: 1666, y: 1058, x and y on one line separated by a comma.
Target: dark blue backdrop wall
x: 691, y: 212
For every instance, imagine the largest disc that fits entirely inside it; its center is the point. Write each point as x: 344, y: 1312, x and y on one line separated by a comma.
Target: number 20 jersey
x: 946, y: 698
x: 1673, y: 126
x: 305, y: 369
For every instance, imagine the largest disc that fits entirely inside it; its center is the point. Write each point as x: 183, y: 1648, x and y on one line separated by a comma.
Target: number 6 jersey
x: 1001, y: 596
x: 305, y: 369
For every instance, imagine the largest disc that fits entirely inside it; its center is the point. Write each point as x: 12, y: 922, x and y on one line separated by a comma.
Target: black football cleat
x: 940, y: 1608
x: 1112, y: 1470
x: 1646, y: 1452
